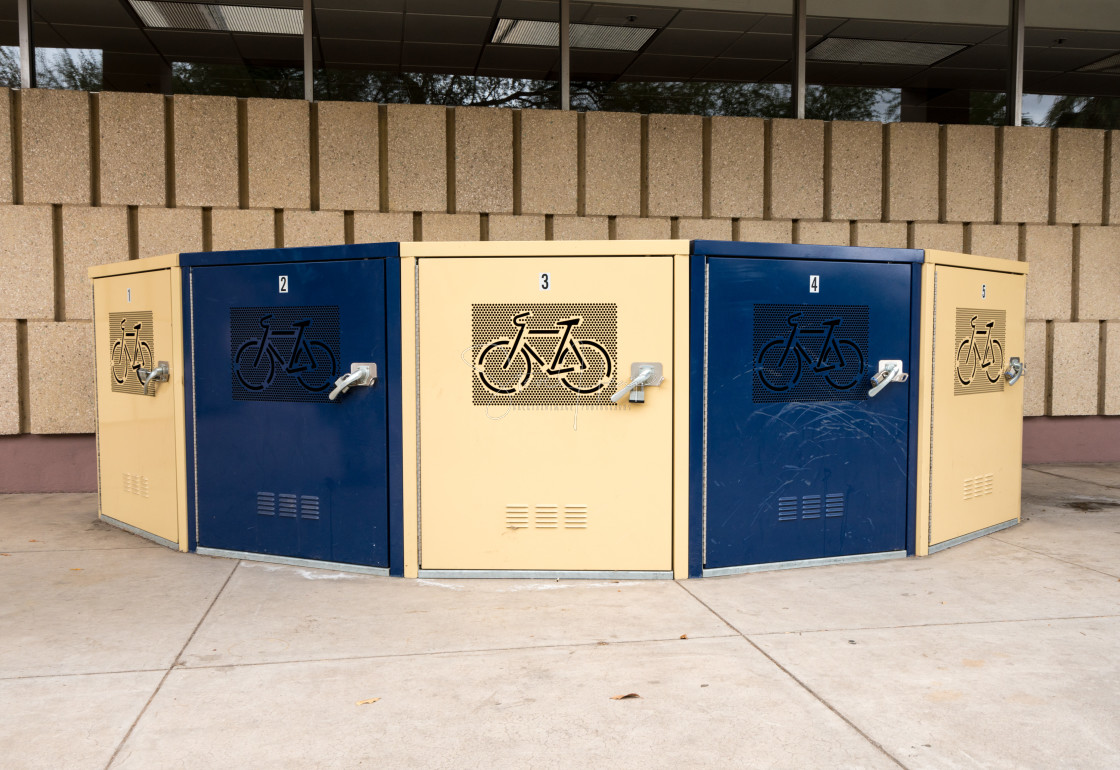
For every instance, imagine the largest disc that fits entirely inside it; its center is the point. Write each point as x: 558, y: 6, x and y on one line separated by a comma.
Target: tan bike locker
x: 970, y: 440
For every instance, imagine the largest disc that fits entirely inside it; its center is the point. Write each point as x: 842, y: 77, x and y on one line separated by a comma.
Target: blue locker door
x: 281, y: 469
x: 801, y: 463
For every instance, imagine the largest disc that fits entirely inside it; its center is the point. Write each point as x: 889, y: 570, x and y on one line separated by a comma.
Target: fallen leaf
x: 367, y: 700
x: 626, y: 696
x: 684, y: 636
x: 33, y: 541
x: 75, y: 569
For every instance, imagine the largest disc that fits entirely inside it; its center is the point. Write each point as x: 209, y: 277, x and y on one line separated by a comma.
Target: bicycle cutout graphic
x: 780, y: 364
x: 135, y: 357
x: 510, y: 361
x: 258, y: 361
x: 985, y: 358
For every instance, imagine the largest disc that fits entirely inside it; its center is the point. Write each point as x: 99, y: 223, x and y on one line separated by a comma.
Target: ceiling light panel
x: 1110, y: 64
x: 845, y: 49
x: 547, y: 33
x: 221, y: 18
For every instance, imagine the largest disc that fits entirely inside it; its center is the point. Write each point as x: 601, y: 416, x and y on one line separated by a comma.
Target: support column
x: 27, y: 78
x: 797, y: 86
x: 1016, y: 25
x: 308, y: 57
x: 565, y: 58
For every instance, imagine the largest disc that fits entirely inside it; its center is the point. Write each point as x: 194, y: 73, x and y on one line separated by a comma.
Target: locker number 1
x: 546, y: 282
x: 283, y: 284
x: 814, y: 284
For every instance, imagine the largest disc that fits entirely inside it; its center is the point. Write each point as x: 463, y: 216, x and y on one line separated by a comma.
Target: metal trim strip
x: 777, y: 565
x: 293, y: 562
x: 522, y: 574
x: 137, y: 531
x: 972, y: 536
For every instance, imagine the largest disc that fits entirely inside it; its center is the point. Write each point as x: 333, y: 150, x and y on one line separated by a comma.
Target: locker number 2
x: 546, y: 282
x: 814, y: 284
x: 283, y: 284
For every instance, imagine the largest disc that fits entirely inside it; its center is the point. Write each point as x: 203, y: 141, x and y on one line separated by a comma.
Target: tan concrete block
x: 6, y: 191
x: 435, y: 226
x: 548, y: 162
x: 1112, y: 178
x: 994, y: 241
x: 56, y: 165
x: 824, y: 233
x: 912, y: 158
x: 796, y: 169
x: 373, y: 227
x: 205, y: 151
x: 417, y: 157
x: 26, y: 262
x: 1079, y: 175
x: 613, y: 163
x: 946, y: 237
x: 279, y: 153
x: 855, y: 170
x: 169, y: 231
x: 970, y: 173
x: 692, y: 228
x: 314, y: 228
x: 738, y: 165
x: 676, y: 165
x: 90, y: 236
x: 1049, y: 251
x: 1038, y: 366
x: 513, y: 227
x: 132, y: 154
x: 1024, y: 174
x: 1112, y: 368
x: 61, y: 377
x: 349, y: 156
x: 765, y: 231
x: 580, y: 229
x: 642, y: 228
x: 891, y: 235
x: 233, y: 229
x: 483, y: 159
x: 1075, y: 353
x: 9, y: 378
x: 1098, y: 278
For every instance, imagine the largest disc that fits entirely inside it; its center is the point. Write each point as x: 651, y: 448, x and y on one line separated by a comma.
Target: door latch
x: 160, y: 374
x: 890, y: 370
x: 641, y: 375
x: 1016, y: 370
x: 361, y: 375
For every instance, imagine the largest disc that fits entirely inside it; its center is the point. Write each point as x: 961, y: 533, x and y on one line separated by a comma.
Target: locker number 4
x: 814, y: 284
x: 546, y: 282
x: 283, y: 284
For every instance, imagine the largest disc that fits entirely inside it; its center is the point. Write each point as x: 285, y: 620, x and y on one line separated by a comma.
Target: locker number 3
x: 283, y: 284
x: 814, y: 284
x: 546, y: 282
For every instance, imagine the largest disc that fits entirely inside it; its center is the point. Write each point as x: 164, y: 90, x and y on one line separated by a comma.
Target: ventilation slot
x: 517, y: 517
x: 787, y: 509
x: 811, y: 507
x: 547, y: 517
x: 834, y: 504
x: 288, y: 506
x: 575, y: 517
x: 135, y: 484
x: 309, y: 507
x: 978, y: 486
x: 266, y: 503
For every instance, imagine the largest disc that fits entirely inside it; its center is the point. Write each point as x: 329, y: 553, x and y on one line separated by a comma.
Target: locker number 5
x: 546, y: 282
x: 283, y: 284
x: 814, y: 284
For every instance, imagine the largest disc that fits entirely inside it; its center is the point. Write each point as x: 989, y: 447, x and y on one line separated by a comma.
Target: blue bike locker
x: 278, y: 468
x: 793, y: 460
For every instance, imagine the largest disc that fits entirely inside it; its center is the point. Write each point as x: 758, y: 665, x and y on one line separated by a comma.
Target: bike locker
x: 141, y: 438
x: 798, y: 456
x: 549, y: 387
x: 971, y: 427
x: 294, y: 404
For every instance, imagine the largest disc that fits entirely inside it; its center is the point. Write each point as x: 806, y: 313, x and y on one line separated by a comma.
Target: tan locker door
x: 977, y: 442
x: 542, y: 477
x: 136, y: 433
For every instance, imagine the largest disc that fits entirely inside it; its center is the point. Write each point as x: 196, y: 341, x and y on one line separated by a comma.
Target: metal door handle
x: 641, y: 374
x: 160, y: 374
x: 1017, y: 369
x: 890, y: 370
x: 360, y: 375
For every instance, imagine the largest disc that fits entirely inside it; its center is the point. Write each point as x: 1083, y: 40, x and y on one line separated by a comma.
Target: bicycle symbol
x: 589, y: 373
x: 138, y: 356
x: 780, y: 363
x: 257, y: 360
x: 985, y: 360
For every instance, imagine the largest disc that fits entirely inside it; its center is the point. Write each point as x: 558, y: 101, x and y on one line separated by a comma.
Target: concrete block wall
x: 93, y: 178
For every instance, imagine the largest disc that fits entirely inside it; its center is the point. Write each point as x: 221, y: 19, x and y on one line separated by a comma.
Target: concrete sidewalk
x: 1003, y: 652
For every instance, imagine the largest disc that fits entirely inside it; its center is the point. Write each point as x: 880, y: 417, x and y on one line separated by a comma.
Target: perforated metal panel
x: 810, y: 353
x: 284, y: 353
x: 131, y: 348
x: 544, y: 354
x: 981, y: 339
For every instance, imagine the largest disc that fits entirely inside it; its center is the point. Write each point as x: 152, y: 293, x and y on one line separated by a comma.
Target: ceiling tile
x: 734, y: 22
x: 360, y: 52
x: 95, y: 12
x: 742, y: 70
x: 178, y: 44
x: 983, y: 56
x: 781, y: 24
x: 644, y: 16
x: 287, y: 49
x: 758, y: 46
x: 453, y: 7
x: 869, y: 29
x: 685, y: 42
x: 1061, y: 59
x: 359, y: 25
x: 387, y: 6
x: 667, y: 67
x: 439, y: 55
x: 1074, y: 38
x: 128, y: 39
x: 427, y: 28
x: 519, y: 58
x: 539, y: 10
x: 599, y: 64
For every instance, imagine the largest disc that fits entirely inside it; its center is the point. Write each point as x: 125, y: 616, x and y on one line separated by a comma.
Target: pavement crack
x: 1055, y: 558
x: 931, y: 625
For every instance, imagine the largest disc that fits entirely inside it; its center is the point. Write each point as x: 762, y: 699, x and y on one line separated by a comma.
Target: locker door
x: 525, y: 463
x: 282, y: 469
x: 801, y: 462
